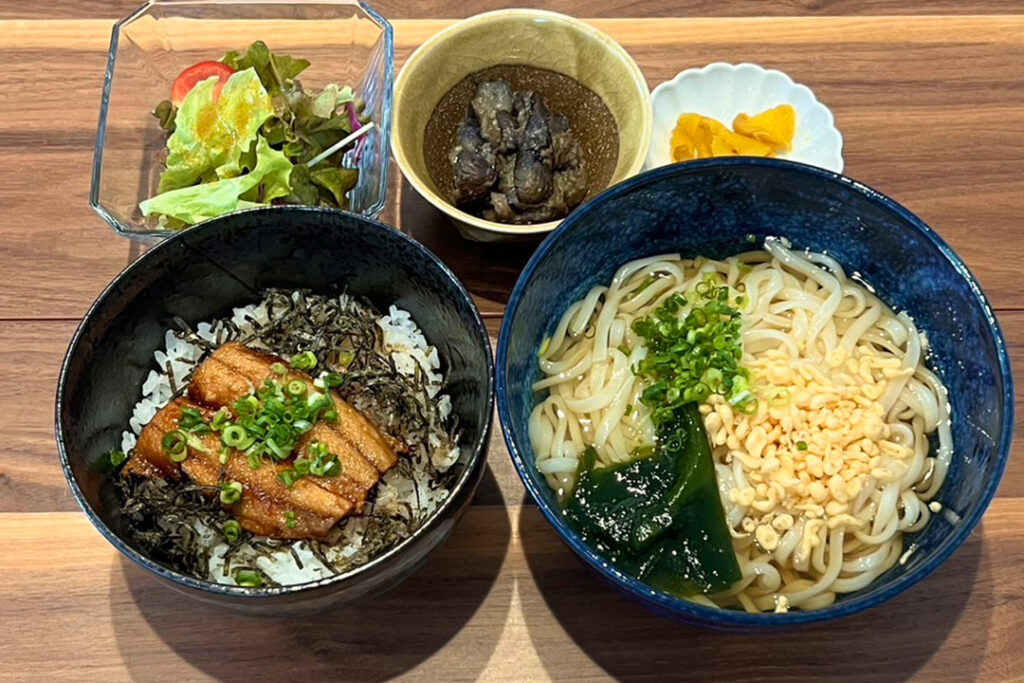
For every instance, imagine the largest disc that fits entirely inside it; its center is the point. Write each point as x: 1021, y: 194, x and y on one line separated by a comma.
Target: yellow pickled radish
x: 693, y: 136
x: 761, y: 135
x: 728, y: 143
x: 774, y: 127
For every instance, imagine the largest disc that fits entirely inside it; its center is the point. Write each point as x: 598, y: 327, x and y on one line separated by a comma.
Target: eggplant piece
x: 565, y: 150
x: 492, y: 98
x: 473, y: 162
x: 570, y: 187
x: 533, y: 176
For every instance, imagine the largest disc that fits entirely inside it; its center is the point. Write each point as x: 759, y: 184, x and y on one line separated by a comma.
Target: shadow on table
x: 488, y: 270
x: 374, y: 641
x: 887, y: 643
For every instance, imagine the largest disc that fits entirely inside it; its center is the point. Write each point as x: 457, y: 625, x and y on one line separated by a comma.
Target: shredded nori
x: 162, y: 517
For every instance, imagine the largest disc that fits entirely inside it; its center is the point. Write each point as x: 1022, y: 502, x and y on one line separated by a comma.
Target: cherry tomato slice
x: 197, y: 73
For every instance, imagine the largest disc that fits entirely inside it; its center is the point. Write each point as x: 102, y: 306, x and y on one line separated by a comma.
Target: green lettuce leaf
x: 337, y: 182
x: 277, y: 72
x: 330, y: 98
x: 211, y: 135
x: 268, y: 180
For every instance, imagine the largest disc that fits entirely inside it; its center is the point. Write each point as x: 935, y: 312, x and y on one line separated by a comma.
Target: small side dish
x: 244, y: 132
x: 577, y: 72
x: 750, y: 99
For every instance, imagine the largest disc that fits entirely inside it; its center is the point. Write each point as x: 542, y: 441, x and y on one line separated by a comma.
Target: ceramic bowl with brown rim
x: 435, y: 86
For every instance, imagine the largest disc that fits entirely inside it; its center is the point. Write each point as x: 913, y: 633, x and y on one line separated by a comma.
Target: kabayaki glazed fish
x: 290, y: 459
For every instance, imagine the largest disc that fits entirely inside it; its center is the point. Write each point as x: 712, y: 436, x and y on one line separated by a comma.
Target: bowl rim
x: 457, y: 27
x: 686, y: 610
x: 443, y: 512
x: 96, y: 170
x: 734, y: 70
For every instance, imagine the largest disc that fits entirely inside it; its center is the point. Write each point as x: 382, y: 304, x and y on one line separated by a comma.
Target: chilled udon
x: 819, y: 428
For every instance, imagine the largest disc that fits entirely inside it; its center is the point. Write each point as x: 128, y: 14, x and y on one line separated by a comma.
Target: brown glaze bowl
x: 535, y: 38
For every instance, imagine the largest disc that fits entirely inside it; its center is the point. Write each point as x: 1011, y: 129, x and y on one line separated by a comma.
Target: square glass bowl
x: 345, y: 41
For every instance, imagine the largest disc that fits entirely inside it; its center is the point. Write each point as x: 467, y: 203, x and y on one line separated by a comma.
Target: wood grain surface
x: 929, y: 97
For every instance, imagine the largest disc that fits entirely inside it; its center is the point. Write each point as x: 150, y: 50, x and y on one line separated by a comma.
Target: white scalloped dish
x: 722, y: 91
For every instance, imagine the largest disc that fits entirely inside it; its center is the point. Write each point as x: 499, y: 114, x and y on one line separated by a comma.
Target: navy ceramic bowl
x: 204, y: 272
x: 709, y: 208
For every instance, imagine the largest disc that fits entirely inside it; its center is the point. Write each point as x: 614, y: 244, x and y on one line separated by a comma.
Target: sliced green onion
x: 287, y: 477
x: 276, y: 450
x: 296, y: 388
x: 234, y: 436
x: 247, y: 405
x: 231, y: 530
x: 279, y: 368
x: 222, y: 418
x: 176, y: 445
x: 192, y: 420
x: 333, y: 379
x: 230, y: 492
x: 289, y: 518
x: 116, y: 457
x: 801, y: 445
x: 248, y: 578
x: 254, y: 459
x: 329, y: 466
x: 748, y: 407
x: 304, y: 361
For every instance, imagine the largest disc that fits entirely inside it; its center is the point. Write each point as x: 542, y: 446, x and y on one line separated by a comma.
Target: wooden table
x: 930, y: 101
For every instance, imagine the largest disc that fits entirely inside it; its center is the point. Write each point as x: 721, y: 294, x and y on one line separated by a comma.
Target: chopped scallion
x: 304, y: 361
x: 230, y: 492
x: 296, y: 388
x: 231, y: 530
x: 333, y: 379
x: 233, y: 436
x: 248, y: 578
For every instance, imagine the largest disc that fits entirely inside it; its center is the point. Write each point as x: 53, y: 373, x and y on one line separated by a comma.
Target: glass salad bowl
x: 345, y: 42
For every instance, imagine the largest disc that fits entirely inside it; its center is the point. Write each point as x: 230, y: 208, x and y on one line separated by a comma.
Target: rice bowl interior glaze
x: 203, y: 273
x: 709, y: 208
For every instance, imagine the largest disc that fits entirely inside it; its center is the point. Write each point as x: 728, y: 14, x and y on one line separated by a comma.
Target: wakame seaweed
x: 659, y: 518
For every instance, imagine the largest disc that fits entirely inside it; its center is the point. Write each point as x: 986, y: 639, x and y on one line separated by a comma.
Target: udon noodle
x: 821, y: 481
